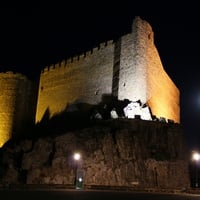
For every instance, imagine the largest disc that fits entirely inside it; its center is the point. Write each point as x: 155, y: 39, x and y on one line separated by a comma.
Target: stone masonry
x: 128, y: 68
x: 119, y: 152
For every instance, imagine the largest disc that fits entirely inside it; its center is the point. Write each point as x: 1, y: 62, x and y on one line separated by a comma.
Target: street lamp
x: 77, y: 156
x: 196, y: 158
x: 78, y: 171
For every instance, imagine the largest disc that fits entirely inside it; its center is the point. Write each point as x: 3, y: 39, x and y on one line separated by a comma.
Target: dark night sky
x: 32, y: 37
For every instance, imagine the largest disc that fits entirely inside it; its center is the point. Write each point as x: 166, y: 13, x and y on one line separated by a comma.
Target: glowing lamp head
x: 80, y: 179
x: 196, y: 156
x: 77, y: 156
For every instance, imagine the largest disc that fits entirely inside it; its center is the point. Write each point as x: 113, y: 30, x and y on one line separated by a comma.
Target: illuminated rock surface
x: 120, y: 152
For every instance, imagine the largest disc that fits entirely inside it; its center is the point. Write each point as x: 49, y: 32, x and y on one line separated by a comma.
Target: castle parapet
x: 76, y: 58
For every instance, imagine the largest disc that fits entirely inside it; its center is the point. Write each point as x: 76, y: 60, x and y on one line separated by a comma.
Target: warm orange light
x: 4, y: 138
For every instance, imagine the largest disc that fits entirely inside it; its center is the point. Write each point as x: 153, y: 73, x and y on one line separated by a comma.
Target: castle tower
x: 142, y: 76
x: 14, y: 104
x: 129, y: 68
x: 133, y: 63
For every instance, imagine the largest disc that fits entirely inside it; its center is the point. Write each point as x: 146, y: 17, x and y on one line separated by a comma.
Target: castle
x: 128, y: 68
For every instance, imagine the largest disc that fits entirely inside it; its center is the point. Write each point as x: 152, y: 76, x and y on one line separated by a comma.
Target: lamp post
x: 196, y: 158
x: 78, y: 172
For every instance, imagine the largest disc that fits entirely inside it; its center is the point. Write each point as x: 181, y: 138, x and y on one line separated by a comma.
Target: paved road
x: 89, y: 195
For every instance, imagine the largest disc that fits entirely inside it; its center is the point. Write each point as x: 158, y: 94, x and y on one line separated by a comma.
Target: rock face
x: 119, y: 152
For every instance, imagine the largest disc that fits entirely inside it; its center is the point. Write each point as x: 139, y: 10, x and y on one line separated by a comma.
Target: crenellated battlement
x: 76, y: 58
x: 11, y: 74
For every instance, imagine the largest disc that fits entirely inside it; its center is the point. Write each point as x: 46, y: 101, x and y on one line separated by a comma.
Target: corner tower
x: 142, y: 76
x: 15, y: 91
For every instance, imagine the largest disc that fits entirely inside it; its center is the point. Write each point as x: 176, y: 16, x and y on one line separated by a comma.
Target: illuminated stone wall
x: 130, y: 68
x: 142, y: 75
x: 14, y: 104
x: 80, y: 79
x: 163, y: 95
x: 133, y: 67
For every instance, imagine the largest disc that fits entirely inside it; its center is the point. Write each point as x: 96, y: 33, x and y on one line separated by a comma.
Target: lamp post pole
x: 196, y: 158
x: 78, y: 172
x: 76, y: 157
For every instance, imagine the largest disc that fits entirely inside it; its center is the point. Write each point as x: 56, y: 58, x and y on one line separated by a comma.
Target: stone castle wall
x: 130, y: 68
x: 133, y: 66
x: 15, y: 91
x: 142, y: 75
x: 80, y: 79
x: 162, y: 94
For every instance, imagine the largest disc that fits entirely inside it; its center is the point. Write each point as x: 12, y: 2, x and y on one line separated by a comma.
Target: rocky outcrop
x: 119, y: 152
